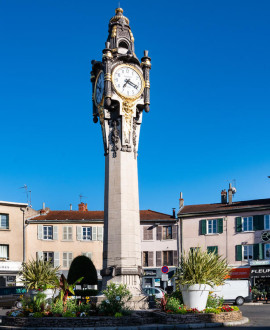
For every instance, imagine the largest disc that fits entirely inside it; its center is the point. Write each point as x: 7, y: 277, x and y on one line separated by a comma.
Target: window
x: 212, y: 226
x: 67, y: 259
x: 267, y: 222
x: 48, y: 232
x: 247, y: 252
x: 87, y: 233
x: 145, y: 259
x: 247, y: 224
x: 48, y: 256
x: 167, y: 232
x: 4, y: 251
x: 168, y: 258
x: 4, y: 221
x: 67, y: 233
x: 267, y: 251
x: 211, y: 249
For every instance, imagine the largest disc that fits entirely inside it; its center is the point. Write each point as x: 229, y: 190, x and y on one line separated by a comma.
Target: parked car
x: 157, y: 292
x: 10, y: 296
x: 236, y: 291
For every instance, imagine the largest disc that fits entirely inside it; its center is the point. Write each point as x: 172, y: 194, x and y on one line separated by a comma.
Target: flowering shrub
x: 116, y: 298
x: 172, y: 305
x: 227, y: 308
x: 213, y: 301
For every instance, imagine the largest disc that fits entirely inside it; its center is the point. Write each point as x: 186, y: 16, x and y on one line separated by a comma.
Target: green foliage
x: 212, y: 310
x: 116, y: 298
x: 118, y: 315
x: 34, y: 304
x: 82, y: 266
x: 173, y: 304
x: 39, y: 274
x: 66, y: 288
x: 214, y: 301
x: 235, y: 308
x: 201, y: 267
x: 178, y: 295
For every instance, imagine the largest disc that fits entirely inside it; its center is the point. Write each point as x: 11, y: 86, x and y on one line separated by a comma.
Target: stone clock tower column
x: 120, y: 94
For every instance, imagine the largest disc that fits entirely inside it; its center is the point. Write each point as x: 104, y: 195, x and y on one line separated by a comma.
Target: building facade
x: 11, y: 241
x: 238, y: 231
x: 60, y: 236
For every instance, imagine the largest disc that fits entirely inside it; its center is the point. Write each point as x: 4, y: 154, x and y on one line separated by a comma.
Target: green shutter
x: 220, y: 226
x: 203, y: 227
x: 258, y: 222
x: 238, y: 250
x: 258, y: 251
x: 238, y: 225
x: 211, y: 249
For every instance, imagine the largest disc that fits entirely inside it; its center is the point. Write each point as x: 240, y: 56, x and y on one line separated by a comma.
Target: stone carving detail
x: 127, y: 120
x: 134, y: 138
x: 114, y: 138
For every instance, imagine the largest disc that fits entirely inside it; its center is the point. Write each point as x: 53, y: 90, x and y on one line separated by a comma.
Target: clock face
x: 99, y: 88
x: 127, y: 81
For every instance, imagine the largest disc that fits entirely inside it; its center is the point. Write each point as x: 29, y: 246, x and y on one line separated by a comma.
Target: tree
x: 82, y: 266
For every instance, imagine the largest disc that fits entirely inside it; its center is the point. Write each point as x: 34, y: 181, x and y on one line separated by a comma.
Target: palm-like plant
x: 201, y: 267
x: 66, y: 288
x: 39, y: 274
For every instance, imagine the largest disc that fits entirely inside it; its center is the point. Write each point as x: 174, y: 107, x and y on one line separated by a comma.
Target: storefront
x: 9, y: 273
x: 155, y: 278
x: 260, y: 276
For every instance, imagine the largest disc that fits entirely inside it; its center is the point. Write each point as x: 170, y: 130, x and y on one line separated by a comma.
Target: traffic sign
x: 165, y: 269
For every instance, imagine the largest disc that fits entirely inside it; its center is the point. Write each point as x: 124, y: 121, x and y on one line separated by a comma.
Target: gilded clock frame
x: 95, y: 88
x: 123, y: 96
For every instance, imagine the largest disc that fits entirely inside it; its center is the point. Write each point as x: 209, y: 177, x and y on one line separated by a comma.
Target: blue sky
x: 210, y: 100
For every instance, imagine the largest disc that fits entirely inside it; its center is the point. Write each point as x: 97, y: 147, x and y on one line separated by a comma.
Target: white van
x: 236, y: 291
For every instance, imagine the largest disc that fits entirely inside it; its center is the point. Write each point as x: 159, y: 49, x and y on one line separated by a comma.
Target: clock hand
x: 132, y: 84
x: 126, y: 82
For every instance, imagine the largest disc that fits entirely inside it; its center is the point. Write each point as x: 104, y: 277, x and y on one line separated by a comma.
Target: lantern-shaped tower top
x: 120, y: 36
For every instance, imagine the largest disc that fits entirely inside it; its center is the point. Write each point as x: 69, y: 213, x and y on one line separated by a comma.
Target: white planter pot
x: 216, y: 290
x: 195, y: 296
x: 49, y: 293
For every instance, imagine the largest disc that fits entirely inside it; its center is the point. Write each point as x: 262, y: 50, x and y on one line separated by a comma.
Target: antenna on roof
x: 81, y: 197
x: 25, y: 187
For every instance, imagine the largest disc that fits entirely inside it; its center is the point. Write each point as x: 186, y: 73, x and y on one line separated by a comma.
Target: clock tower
x: 120, y: 84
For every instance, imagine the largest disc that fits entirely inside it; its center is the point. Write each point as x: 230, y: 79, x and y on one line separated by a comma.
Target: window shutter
x: 56, y: 259
x: 150, y: 258
x: 211, y: 249
x: 40, y: 232
x: 150, y: 233
x: 258, y: 222
x: 89, y: 255
x: 175, y: 258
x: 65, y: 230
x: 158, y: 259
x: 55, y: 233
x: 203, y: 227
x: 70, y: 233
x: 159, y: 233
x: 94, y: 233
x: 220, y: 226
x: 79, y: 233
x: 70, y: 258
x: 39, y: 255
x: 258, y: 251
x: 100, y: 233
x: 174, y: 231
x: 65, y: 260
x: 238, y: 252
x: 238, y: 224
x: 7, y: 221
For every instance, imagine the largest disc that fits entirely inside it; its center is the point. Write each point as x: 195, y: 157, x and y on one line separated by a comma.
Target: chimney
x: 230, y: 193
x: 70, y: 207
x: 223, y: 196
x: 173, y: 212
x: 83, y: 207
x: 181, y: 201
x: 42, y: 211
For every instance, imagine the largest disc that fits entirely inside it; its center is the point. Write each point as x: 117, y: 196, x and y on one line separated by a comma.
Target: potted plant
x: 39, y: 275
x: 198, y: 273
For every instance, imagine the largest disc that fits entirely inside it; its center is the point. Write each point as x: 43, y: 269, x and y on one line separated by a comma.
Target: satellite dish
x: 233, y: 190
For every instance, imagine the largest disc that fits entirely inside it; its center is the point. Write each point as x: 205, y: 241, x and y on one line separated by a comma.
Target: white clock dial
x: 99, y: 87
x: 127, y: 81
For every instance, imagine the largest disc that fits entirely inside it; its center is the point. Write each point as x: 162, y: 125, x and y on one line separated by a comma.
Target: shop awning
x: 239, y: 273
